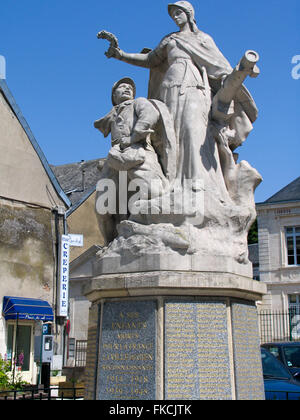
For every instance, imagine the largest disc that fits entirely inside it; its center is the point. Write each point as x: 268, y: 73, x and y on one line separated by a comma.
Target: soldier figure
x: 143, y: 151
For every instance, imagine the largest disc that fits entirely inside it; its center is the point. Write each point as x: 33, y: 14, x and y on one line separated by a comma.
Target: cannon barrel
x: 248, y: 63
x: 222, y: 108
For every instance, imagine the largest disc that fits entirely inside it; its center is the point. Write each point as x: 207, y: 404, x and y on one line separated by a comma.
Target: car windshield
x: 272, y: 368
x: 292, y: 356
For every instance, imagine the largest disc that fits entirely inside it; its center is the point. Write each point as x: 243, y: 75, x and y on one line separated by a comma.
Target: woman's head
x: 174, y: 10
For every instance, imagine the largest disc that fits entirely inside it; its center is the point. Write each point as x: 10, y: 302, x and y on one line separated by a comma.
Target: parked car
x: 288, y: 353
x: 278, y: 381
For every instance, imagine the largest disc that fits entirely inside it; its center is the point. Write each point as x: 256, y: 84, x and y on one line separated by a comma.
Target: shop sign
x: 63, y: 295
x: 75, y: 239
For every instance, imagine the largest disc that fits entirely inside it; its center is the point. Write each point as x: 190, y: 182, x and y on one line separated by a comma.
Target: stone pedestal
x: 178, y: 335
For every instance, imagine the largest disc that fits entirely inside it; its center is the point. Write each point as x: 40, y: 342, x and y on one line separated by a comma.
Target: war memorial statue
x: 172, y: 291
x: 212, y: 115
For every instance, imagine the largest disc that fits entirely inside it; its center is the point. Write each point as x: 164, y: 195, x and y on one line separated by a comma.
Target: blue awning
x: 26, y: 308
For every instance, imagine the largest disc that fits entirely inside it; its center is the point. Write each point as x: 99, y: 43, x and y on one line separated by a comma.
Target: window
x: 294, y: 301
x: 293, y: 245
x: 292, y: 356
x: 275, y: 351
x: 71, y: 348
x: 19, y: 339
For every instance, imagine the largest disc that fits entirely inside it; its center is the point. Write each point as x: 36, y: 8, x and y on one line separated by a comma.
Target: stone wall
x: 27, y: 253
x: 92, y: 352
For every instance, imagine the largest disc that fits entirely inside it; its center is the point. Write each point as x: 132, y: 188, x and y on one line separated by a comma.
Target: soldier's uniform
x: 131, y: 125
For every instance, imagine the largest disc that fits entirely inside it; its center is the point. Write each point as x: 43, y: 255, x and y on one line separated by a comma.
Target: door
x: 20, y: 349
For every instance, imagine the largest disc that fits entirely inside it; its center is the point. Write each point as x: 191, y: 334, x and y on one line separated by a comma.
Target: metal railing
x: 53, y: 393
x: 279, y: 325
x: 76, y: 394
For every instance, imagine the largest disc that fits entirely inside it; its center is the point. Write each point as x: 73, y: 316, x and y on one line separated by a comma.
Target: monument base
x: 173, y: 335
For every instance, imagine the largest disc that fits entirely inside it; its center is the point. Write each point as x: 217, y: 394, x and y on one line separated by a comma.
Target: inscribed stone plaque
x: 127, y: 351
x: 197, y: 363
x: 247, y: 358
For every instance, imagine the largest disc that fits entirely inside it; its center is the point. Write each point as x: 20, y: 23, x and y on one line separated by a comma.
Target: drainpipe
x: 57, y: 259
x: 65, y: 224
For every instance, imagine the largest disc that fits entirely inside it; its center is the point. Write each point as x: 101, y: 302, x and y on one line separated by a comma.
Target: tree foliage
x: 253, y: 234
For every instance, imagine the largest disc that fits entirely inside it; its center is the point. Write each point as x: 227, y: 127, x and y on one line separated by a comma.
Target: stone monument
x: 173, y: 311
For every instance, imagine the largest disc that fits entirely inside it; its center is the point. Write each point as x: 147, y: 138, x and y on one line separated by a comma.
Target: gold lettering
x: 126, y: 368
x: 132, y: 325
x: 115, y: 378
x: 127, y: 346
x: 139, y: 379
x: 127, y: 356
x: 127, y: 336
x: 126, y: 390
x: 133, y: 315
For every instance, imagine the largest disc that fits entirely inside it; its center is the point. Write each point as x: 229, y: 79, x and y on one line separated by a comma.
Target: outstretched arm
x: 147, y: 58
x: 139, y: 59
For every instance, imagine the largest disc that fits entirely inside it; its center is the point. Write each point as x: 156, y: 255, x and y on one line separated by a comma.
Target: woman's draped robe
x: 199, y: 67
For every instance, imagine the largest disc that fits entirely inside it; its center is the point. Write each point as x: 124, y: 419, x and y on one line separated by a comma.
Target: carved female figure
x: 186, y: 69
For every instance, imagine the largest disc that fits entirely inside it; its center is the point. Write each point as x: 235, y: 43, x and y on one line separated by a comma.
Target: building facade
x: 79, y: 181
x: 32, y: 220
x: 279, y: 249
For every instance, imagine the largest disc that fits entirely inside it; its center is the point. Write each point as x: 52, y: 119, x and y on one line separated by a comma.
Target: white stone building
x: 279, y: 248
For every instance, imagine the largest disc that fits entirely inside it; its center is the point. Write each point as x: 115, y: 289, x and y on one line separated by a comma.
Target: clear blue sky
x: 61, y: 79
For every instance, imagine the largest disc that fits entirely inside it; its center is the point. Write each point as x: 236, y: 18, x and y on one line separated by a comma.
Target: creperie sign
x: 63, y: 295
